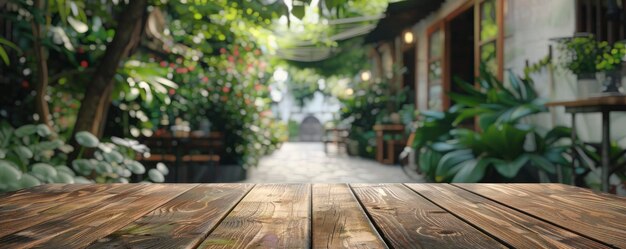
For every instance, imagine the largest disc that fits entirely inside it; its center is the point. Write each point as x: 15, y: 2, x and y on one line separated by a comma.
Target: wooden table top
x: 311, y: 216
x: 594, y: 101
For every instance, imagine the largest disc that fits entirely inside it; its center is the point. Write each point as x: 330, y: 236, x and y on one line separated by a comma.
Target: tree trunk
x: 41, y: 104
x: 97, y: 97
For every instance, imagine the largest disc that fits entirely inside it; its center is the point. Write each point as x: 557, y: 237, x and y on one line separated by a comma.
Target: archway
x: 311, y: 130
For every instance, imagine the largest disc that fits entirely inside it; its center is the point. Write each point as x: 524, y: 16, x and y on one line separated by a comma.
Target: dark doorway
x: 408, y: 84
x: 461, y: 54
x: 461, y: 49
x: 311, y: 130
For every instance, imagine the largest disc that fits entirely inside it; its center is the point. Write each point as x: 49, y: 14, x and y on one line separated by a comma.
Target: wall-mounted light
x: 408, y: 37
x: 366, y: 75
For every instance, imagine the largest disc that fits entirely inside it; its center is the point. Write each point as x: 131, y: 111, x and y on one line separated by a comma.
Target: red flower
x: 226, y: 89
x: 172, y: 91
x: 258, y: 87
x: 231, y: 58
x: 222, y: 50
x: 163, y: 63
x: 181, y: 70
x: 236, y: 52
x: 172, y: 65
x: 84, y: 64
x: 205, y: 79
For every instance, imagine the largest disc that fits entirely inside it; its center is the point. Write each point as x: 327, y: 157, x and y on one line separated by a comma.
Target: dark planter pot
x: 611, y: 81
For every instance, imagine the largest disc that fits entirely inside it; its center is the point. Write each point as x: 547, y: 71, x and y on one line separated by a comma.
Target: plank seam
x: 537, y: 217
x: 461, y: 218
x: 219, y: 222
x: 370, y: 219
x: 311, y: 241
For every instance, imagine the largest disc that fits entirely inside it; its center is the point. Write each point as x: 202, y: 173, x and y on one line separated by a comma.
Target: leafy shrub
x: 31, y: 155
x: 502, y: 142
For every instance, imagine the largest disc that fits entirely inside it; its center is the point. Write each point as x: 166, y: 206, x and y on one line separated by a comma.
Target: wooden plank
x: 593, y: 101
x: 180, y: 223
x: 27, y: 208
x: 407, y: 220
x: 582, y: 211
x: 270, y: 216
x: 339, y: 221
x: 510, y: 226
x: 79, y: 229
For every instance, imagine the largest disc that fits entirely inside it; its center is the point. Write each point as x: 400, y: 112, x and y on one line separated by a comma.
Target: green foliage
x: 31, y: 155
x: 501, y: 147
x: 494, y: 103
x: 585, y: 55
x: 373, y: 102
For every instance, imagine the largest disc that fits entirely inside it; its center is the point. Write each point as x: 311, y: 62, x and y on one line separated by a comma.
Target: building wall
x: 529, y: 26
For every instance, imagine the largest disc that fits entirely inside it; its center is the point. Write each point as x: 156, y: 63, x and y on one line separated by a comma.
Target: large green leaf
x: 542, y: 163
x: 113, y: 156
x: 83, y: 166
x: 509, y: 169
x: 448, y: 165
x: 135, y: 167
x: 86, y: 139
x: 472, y: 170
x: 23, y: 152
x: 9, y: 175
x: 63, y: 177
x: 27, y: 181
x: 44, y: 172
x: 156, y: 176
x: 43, y: 130
x: 26, y: 130
x: 161, y: 167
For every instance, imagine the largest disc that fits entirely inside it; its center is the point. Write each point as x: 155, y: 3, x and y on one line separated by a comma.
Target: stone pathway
x: 307, y: 163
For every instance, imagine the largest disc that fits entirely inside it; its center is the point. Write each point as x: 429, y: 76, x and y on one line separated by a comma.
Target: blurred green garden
x: 83, y: 81
x: 122, y: 91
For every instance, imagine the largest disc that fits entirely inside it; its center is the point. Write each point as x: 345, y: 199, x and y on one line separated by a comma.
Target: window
x: 591, y: 17
x: 436, y: 46
x: 488, y: 38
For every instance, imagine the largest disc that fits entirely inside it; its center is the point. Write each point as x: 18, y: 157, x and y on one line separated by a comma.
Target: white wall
x: 324, y: 108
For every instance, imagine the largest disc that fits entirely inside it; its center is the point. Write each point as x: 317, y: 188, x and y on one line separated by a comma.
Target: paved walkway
x: 307, y: 163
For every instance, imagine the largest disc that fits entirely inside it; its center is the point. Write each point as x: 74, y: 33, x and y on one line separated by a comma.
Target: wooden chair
x: 337, y: 136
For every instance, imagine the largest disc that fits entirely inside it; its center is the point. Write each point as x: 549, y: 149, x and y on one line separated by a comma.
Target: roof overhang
x: 399, y: 16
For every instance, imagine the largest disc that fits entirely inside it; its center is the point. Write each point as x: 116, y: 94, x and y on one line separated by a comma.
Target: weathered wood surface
x: 339, y: 220
x: 180, y: 223
x: 270, y: 216
x: 578, y: 210
x: 311, y: 216
x: 514, y: 228
x: 406, y: 218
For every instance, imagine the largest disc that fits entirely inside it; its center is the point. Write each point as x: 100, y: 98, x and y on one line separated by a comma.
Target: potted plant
x: 579, y: 54
x: 609, y: 63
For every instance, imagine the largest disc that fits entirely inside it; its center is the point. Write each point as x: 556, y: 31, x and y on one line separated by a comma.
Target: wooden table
x: 311, y: 216
x: 603, y: 105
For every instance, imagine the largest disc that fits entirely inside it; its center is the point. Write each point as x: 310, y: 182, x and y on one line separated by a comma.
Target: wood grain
x: 339, y: 221
x: 182, y: 222
x: 78, y: 229
x: 578, y: 210
x: 407, y: 220
x: 270, y: 216
x: 514, y: 228
x: 33, y: 206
